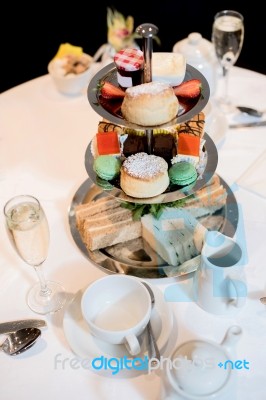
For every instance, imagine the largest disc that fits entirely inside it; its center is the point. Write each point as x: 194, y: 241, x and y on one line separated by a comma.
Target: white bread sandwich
x: 86, y: 210
x: 176, y: 235
x: 206, y: 201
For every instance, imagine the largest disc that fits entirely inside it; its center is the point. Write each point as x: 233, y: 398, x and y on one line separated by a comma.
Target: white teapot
x: 203, y: 370
x: 199, y: 53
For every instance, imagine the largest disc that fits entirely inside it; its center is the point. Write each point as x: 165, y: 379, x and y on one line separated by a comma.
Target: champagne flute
x: 227, y: 38
x: 28, y: 231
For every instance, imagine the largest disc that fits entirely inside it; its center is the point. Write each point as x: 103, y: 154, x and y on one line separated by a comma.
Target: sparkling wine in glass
x: 28, y: 231
x: 227, y: 38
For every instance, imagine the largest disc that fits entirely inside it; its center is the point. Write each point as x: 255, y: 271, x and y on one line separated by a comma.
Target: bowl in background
x: 70, y: 74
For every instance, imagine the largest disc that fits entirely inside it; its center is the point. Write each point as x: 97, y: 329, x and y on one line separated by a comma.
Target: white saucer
x: 87, y: 346
x: 216, y: 123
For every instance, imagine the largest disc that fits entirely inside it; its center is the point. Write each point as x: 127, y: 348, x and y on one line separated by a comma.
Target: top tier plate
x: 111, y: 110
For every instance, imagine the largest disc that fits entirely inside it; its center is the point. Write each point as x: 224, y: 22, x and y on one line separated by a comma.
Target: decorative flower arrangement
x: 120, y: 30
x: 120, y: 35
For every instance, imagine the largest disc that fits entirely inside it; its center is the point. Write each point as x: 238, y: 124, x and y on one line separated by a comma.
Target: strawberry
x: 110, y: 91
x: 189, y: 89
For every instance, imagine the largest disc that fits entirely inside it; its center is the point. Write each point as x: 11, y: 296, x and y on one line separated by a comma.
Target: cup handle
x: 237, y: 292
x: 132, y: 344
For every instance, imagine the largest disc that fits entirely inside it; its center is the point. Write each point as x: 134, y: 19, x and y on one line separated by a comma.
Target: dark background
x: 32, y: 34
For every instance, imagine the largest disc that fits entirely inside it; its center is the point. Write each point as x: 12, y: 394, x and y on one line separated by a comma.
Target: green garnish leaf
x: 156, y: 210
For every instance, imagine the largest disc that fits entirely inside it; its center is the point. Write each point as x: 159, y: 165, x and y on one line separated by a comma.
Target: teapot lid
x: 194, y: 46
x: 194, y: 38
x: 195, y: 368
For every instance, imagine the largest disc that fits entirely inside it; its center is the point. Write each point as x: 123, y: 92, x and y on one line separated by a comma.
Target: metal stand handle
x: 147, y: 31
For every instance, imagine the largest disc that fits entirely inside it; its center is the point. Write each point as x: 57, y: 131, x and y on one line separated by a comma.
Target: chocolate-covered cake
x: 164, y: 146
x: 135, y: 144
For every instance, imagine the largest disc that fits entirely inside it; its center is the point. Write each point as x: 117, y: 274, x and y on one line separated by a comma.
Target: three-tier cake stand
x: 136, y: 257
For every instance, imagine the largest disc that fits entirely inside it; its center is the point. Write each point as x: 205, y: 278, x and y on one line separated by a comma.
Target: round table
x: 43, y: 138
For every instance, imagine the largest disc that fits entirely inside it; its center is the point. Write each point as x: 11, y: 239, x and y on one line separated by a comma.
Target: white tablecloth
x: 43, y: 139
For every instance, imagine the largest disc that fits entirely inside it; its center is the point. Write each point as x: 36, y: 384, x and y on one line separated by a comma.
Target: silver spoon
x: 19, y: 341
x: 153, y: 350
x: 250, y: 111
x: 263, y: 300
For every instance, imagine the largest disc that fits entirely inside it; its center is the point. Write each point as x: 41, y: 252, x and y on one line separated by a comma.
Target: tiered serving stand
x: 136, y: 257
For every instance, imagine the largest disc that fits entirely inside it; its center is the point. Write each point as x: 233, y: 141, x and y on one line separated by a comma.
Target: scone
x: 150, y: 104
x: 143, y: 175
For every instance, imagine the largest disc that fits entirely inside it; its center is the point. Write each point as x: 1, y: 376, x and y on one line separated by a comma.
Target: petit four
x: 107, y: 143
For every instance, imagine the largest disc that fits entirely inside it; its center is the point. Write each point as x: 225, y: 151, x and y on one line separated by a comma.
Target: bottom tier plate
x: 136, y: 257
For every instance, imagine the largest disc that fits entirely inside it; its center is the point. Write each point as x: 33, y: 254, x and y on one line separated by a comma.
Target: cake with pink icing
x: 150, y: 104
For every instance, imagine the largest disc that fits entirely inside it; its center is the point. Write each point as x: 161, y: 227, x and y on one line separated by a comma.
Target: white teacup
x: 117, y: 309
x: 220, y: 283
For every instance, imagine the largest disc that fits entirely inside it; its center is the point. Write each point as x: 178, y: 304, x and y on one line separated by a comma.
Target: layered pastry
x: 150, y: 104
x: 169, y: 68
x: 194, y: 127
x: 107, y: 126
x: 144, y: 175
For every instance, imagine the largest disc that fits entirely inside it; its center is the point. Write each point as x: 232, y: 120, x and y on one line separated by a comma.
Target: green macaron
x: 107, y: 167
x: 104, y: 184
x: 182, y: 173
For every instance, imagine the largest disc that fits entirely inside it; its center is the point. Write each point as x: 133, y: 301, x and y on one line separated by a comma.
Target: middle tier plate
x: 173, y: 192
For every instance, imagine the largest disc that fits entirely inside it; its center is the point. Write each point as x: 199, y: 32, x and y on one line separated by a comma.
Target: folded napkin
x: 253, y: 179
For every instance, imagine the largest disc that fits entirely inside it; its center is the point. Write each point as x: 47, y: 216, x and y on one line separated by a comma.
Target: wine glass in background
x: 227, y: 38
x: 28, y: 231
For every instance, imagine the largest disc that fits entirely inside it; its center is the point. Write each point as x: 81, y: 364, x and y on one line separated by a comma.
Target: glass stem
x: 45, y: 291
x: 225, y: 84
